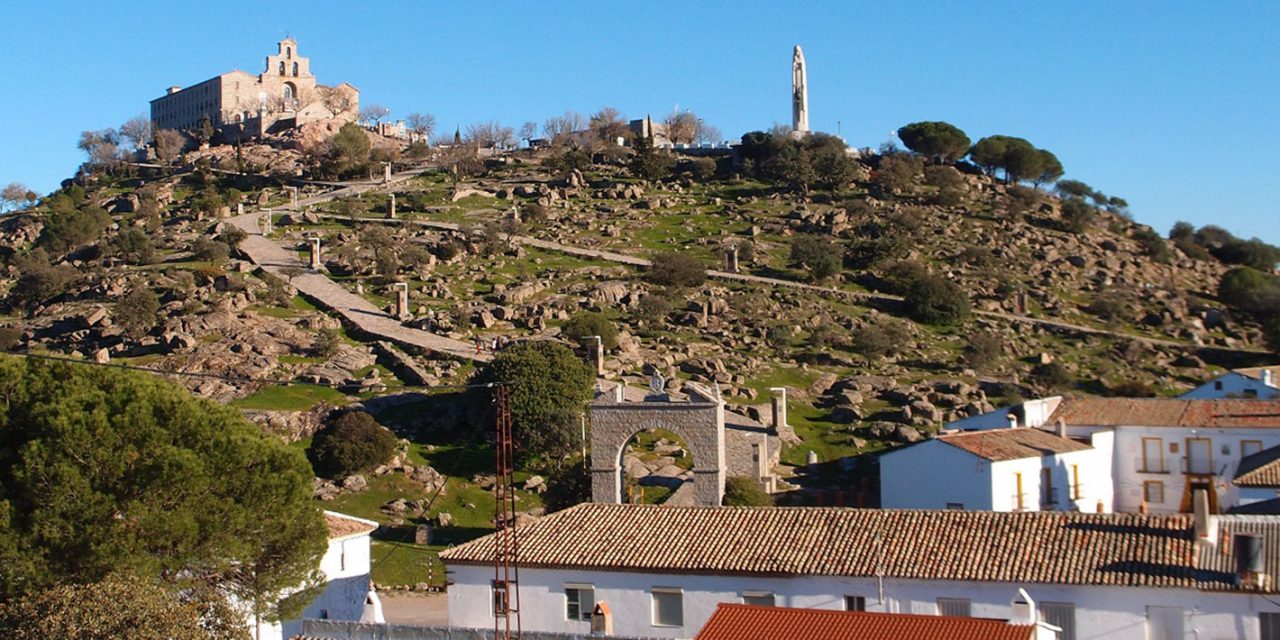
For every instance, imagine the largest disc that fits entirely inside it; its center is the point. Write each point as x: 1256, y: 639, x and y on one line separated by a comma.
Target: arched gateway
x: 699, y: 422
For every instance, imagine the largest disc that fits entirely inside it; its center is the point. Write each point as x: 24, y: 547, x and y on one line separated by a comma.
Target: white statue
x: 799, y: 93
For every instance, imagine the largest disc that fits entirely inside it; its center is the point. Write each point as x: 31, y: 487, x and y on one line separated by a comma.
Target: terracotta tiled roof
x: 747, y: 622
x: 1217, y: 561
x: 1167, y: 412
x: 1261, y: 469
x: 341, y: 526
x: 1011, y: 444
x: 1037, y: 547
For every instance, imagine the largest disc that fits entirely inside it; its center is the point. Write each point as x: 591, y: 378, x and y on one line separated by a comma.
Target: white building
x: 1017, y: 469
x: 1256, y: 382
x: 1163, y: 448
x: 662, y: 571
x: 750, y: 622
x: 345, y: 565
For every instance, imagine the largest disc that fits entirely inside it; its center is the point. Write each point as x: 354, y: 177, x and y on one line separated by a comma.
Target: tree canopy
x: 550, y: 387
x: 105, y: 471
x: 1019, y: 159
x: 940, y: 141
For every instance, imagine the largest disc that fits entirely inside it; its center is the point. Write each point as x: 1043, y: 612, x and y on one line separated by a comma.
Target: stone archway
x: 699, y: 422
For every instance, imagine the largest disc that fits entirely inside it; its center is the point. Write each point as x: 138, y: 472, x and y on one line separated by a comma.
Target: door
x: 1199, y: 456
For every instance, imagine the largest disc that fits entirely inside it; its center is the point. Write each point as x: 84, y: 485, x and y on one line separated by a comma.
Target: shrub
x: 567, y: 487
x: 983, y: 349
x: 1153, y: 246
x: 935, y: 300
x: 1132, y: 389
x: 1051, y: 375
x: 134, y: 246
x: 817, y: 254
x: 9, y: 337
x: 1077, y: 216
x: 208, y: 250
x: 38, y: 280
x: 66, y: 230
x: 352, y: 443
x: 742, y: 491
x: 585, y: 324
x: 654, y: 307
x: 136, y: 311
x: 673, y: 269
x: 778, y: 335
x: 327, y: 343
x: 232, y: 236
x: 883, y: 337
x: 1111, y: 306
x: 1250, y: 290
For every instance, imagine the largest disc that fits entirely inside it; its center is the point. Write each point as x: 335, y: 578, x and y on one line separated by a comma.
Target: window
x: 282, y: 67
x: 295, y: 68
x: 855, y: 603
x: 324, y: 614
x: 1270, y: 625
x: 1061, y: 615
x: 758, y: 598
x: 500, y: 595
x: 342, y: 556
x: 955, y: 506
x: 1249, y: 447
x: 1075, y: 482
x: 956, y: 607
x: 1152, y: 455
x: 1164, y: 623
x: 1017, y: 498
x: 1047, y: 498
x: 1250, y: 393
x: 1217, y: 385
x: 288, y: 52
x: 579, y: 601
x: 668, y: 607
x: 1153, y: 492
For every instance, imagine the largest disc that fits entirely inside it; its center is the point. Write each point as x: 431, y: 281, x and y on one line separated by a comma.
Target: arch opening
x: 654, y: 464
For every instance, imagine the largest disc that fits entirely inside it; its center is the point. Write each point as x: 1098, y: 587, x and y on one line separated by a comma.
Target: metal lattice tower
x: 506, y: 566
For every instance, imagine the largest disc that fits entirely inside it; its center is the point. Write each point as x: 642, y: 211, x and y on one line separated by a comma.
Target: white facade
x: 1236, y: 385
x: 937, y: 475
x: 1118, y: 613
x: 1032, y: 413
x: 345, y: 565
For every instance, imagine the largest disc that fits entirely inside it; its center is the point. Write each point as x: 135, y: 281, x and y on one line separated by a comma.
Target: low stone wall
x: 344, y: 630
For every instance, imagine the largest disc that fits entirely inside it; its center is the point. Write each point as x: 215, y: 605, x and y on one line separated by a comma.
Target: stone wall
x: 700, y: 424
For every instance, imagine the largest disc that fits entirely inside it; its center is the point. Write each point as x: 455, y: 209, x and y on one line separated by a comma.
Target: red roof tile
x: 341, y: 526
x: 1261, y: 469
x: 1039, y: 547
x: 1167, y: 412
x: 1011, y: 444
x: 747, y: 622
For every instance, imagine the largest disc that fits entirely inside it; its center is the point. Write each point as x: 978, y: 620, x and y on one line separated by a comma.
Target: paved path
x: 620, y: 258
x: 269, y: 255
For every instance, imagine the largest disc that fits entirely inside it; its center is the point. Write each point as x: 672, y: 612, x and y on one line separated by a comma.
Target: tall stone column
x: 315, y: 253
x: 779, y: 402
x: 731, y: 259
x: 386, y: 173
x: 596, y: 348
x: 391, y: 208
x: 293, y: 197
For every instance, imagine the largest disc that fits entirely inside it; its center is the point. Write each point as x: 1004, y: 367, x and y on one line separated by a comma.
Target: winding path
x: 361, y: 313
x: 620, y: 258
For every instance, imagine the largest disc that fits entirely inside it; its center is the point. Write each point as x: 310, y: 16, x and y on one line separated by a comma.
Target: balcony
x: 1197, y: 466
x: 1150, y: 465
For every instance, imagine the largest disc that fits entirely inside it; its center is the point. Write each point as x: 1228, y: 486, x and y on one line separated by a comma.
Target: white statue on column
x: 799, y: 93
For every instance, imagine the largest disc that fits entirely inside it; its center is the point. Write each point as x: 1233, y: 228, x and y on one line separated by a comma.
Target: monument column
x: 315, y: 252
x: 799, y: 93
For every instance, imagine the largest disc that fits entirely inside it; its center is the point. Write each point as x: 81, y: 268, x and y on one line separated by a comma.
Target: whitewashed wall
x: 1101, y: 612
x: 1233, y: 385
x: 931, y: 474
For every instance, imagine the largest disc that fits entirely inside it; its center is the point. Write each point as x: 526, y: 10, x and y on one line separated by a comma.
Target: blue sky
x: 1171, y: 105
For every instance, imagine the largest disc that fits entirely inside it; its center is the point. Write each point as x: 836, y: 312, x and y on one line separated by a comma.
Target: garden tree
x: 649, y: 162
x: 708, y: 133
x: 347, y: 152
x: 988, y: 153
x: 560, y: 129
x: 1250, y: 290
x: 654, y: 308
x: 549, y: 389
x: 702, y: 169
x: 1077, y: 215
x: 816, y: 254
x: 202, y: 133
x: 1050, y: 168
x: 489, y: 134
x: 374, y: 113
x: 833, y: 169
x: 584, y: 324
x: 744, y: 491
x: 137, y: 311
x: 67, y: 229
x: 104, y: 471
x: 528, y: 131
x: 15, y: 196
x: 791, y: 165
x: 682, y: 127
x: 898, y: 172
x: 38, y: 280
x: 421, y: 125
x: 133, y: 246
x: 757, y: 148
x: 938, y: 141
x: 137, y: 131
x: 351, y: 443
x: 103, y: 149
x: 168, y: 144
x: 121, y: 605
x: 1075, y: 188
x: 675, y: 270
x: 1019, y: 159
x: 607, y: 125
x: 933, y: 299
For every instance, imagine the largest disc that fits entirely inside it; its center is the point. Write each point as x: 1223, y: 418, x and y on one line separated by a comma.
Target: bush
x: 817, y: 254
x: 742, y: 491
x: 778, y: 335
x: 66, y: 230
x: 1077, y: 216
x: 935, y: 300
x: 1132, y: 389
x: 232, y: 236
x: 327, y: 343
x: 352, y: 443
x: 1250, y: 290
x: 134, y: 246
x: 585, y: 324
x: 1153, y: 246
x: 136, y: 311
x: 39, y: 281
x: 9, y: 337
x: 678, y: 270
x: 884, y: 337
x: 1051, y: 375
x: 208, y: 250
x: 654, y: 307
x: 983, y: 350
x: 567, y: 487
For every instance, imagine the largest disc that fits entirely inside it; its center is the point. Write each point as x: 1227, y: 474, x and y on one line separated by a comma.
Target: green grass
x: 296, y: 397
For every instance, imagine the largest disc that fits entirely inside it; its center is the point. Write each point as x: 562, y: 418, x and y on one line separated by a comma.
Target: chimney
x: 1268, y: 378
x: 1250, y: 566
x: 1013, y: 420
x: 172, y: 90
x: 1023, y: 611
x: 601, y: 620
x: 1200, y: 507
x: 1061, y: 428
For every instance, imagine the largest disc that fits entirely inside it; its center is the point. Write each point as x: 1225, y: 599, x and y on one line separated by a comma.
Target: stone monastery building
x: 284, y: 95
